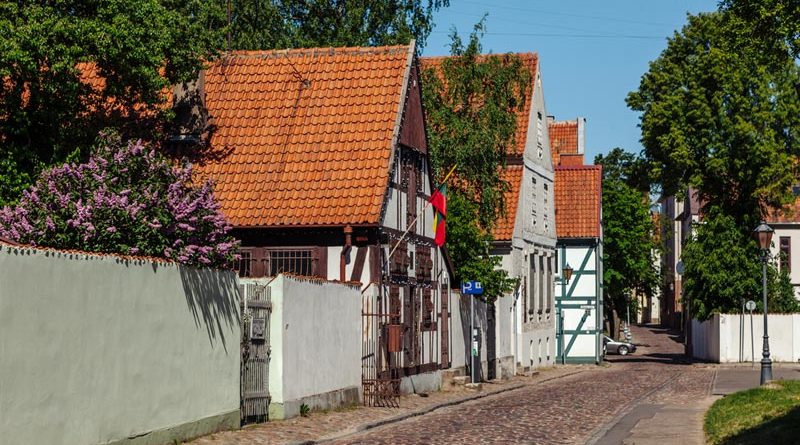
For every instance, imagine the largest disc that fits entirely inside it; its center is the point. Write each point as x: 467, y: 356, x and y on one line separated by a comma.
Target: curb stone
x: 399, y: 418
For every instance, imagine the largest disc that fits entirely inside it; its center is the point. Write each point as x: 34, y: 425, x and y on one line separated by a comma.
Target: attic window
x: 181, y: 145
x: 546, y: 206
x: 539, y: 135
x: 533, y: 202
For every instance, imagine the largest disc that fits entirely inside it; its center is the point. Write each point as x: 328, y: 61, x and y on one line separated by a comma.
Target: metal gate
x: 381, y: 337
x: 256, y: 309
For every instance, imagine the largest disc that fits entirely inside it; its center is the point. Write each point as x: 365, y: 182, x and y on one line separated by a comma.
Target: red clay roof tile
x: 504, y: 227
x: 309, y: 133
x: 578, y: 199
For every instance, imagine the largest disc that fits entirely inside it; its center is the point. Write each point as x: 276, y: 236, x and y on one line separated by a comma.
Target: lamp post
x: 566, y: 274
x: 763, y: 235
x: 628, y: 300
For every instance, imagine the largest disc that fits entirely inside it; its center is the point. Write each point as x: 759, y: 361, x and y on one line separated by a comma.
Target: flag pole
x: 410, y: 225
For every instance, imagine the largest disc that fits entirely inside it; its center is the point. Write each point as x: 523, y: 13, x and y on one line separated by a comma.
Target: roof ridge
x: 565, y: 123
x: 534, y: 54
x: 579, y: 167
x: 316, y: 52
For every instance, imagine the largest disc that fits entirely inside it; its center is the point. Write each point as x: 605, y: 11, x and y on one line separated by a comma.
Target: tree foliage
x: 47, y: 113
x: 723, y: 266
x: 125, y: 199
x: 716, y: 119
x: 774, y: 23
x: 628, y: 231
x: 470, y: 105
x: 262, y: 24
x: 469, y: 248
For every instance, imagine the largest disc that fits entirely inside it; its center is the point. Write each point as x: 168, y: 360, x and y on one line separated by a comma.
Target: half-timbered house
x: 579, y: 297
x: 319, y: 159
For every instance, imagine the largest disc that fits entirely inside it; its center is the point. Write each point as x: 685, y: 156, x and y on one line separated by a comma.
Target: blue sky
x: 591, y: 52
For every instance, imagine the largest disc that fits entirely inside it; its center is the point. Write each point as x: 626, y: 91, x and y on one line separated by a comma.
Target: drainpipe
x: 348, y: 244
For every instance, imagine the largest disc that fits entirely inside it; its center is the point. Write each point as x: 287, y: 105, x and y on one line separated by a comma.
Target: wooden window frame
x: 785, y: 258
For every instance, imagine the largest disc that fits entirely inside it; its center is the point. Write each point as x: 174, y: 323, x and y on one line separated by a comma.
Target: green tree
x: 262, y: 24
x: 774, y: 23
x: 469, y: 245
x: 621, y: 165
x: 716, y: 119
x: 47, y: 113
x: 628, y: 234
x: 470, y: 102
x: 723, y: 266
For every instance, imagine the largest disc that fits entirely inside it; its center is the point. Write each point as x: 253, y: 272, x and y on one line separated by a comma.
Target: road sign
x: 750, y: 305
x: 471, y: 288
x: 680, y: 268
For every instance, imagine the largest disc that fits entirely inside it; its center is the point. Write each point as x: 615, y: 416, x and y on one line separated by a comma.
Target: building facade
x: 520, y: 326
x: 579, y: 297
x: 319, y: 160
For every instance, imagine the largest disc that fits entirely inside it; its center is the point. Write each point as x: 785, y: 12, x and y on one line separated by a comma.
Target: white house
x: 525, y: 239
x: 786, y: 243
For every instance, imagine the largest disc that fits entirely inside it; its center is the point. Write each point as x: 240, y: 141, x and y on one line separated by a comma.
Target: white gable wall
x: 529, y: 313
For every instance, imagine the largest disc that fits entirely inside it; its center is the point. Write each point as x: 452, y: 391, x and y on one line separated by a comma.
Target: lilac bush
x: 125, y: 199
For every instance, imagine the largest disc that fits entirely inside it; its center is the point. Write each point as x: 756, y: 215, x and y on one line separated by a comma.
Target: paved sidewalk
x: 325, y: 426
x: 671, y: 413
x: 737, y: 377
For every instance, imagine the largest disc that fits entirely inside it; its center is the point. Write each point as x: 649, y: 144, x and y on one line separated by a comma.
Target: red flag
x: 439, y: 202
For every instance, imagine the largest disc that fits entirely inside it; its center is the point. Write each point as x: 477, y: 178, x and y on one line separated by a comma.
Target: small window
x: 242, y: 265
x: 299, y: 262
x: 539, y: 135
x: 533, y: 202
x: 546, y: 209
x: 786, y: 253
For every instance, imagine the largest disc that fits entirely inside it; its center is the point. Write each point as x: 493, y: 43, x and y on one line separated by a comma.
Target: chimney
x: 550, y: 119
x: 581, y: 135
x: 571, y: 160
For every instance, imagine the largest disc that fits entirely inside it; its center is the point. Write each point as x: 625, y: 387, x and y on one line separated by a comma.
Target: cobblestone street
x: 569, y: 405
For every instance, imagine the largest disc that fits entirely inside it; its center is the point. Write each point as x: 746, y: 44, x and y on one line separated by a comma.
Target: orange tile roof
x: 504, y: 227
x: 563, y: 139
x: 578, y: 199
x: 90, y: 75
x: 306, y: 135
x: 530, y: 61
x: 787, y: 215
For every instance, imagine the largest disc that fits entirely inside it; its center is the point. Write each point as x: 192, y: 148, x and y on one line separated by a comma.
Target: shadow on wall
x: 480, y: 322
x: 213, y: 297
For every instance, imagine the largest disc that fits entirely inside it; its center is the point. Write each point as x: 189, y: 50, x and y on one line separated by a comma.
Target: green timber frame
x: 579, y: 302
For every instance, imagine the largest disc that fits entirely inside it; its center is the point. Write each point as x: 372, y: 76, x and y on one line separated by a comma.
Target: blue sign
x: 471, y: 288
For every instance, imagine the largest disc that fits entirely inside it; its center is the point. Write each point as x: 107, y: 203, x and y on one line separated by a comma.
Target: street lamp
x: 566, y: 272
x: 763, y: 235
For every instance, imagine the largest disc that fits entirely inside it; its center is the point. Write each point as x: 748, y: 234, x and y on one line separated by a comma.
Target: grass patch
x: 756, y: 416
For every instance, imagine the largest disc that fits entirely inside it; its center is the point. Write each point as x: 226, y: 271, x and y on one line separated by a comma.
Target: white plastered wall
x: 96, y: 349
